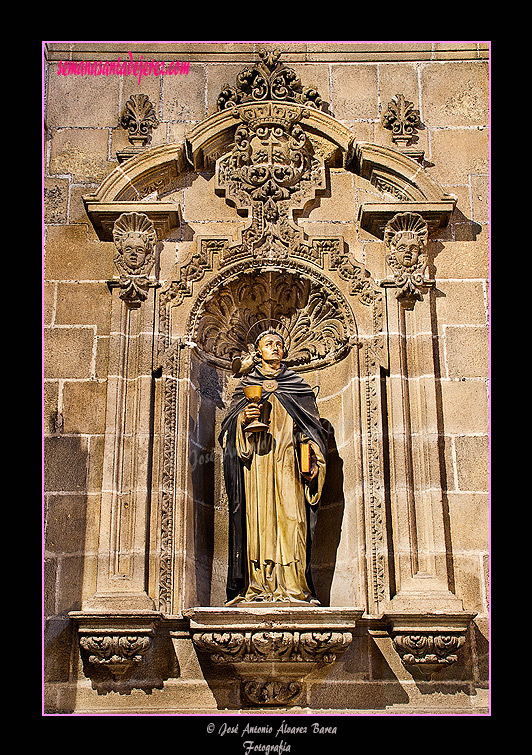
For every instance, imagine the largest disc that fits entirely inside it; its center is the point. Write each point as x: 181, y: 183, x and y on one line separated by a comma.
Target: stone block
x: 354, y: 92
x: 480, y: 198
x: 465, y: 407
x: 456, y: 94
x: 56, y: 200
x: 467, y: 351
x: 184, y: 96
x: 462, y: 259
x: 70, y: 255
x: 84, y: 304
x: 460, y: 303
x: 458, y: 153
x: 71, y: 99
x: 81, y: 153
x: 65, y: 530
x: 472, y: 462
x: 84, y: 407
x: 469, y: 517
x: 68, y: 352
x: 467, y: 569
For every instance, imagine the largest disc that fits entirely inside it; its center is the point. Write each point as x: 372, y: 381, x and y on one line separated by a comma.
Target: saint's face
x: 271, y: 348
x: 134, y: 251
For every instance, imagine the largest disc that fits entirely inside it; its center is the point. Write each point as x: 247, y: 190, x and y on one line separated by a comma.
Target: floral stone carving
x: 317, y: 326
x: 138, y: 118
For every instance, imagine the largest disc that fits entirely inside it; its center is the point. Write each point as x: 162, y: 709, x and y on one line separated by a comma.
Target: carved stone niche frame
x: 398, y: 570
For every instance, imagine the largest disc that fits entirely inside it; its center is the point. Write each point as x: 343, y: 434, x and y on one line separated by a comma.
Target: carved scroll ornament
x: 119, y: 654
x: 267, y: 646
x: 428, y: 652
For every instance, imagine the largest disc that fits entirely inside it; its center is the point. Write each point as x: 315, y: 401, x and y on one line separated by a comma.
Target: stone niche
x: 379, y: 552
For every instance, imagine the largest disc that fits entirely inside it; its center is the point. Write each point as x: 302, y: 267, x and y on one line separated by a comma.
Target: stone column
x: 427, y: 621
x: 121, y: 571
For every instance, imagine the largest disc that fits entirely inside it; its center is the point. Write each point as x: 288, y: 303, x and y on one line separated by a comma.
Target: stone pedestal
x: 272, y: 647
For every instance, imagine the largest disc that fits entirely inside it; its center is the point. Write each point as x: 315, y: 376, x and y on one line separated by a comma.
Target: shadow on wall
x: 65, y: 518
x: 329, y: 521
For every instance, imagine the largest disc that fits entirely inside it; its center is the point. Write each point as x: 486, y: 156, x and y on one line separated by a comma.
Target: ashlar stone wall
x: 449, y: 84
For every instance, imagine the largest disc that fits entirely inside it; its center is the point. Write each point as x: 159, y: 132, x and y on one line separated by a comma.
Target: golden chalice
x: 253, y: 394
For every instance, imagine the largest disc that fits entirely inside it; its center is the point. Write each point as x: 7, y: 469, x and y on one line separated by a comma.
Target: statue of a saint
x: 273, y: 479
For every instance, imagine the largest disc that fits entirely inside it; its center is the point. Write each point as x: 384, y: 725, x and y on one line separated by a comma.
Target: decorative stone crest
x: 269, y: 171
x: 269, y: 79
x: 134, y: 237
x: 139, y: 120
x: 405, y: 237
x: 402, y: 119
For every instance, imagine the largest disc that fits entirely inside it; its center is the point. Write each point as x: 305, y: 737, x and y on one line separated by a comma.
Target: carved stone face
x: 134, y: 250
x: 406, y: 251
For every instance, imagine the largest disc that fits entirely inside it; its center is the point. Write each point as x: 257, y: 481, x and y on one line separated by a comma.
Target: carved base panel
x: 272, y: 648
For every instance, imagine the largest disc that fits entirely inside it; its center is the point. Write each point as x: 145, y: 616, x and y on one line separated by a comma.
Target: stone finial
x: 402, y: 119
x: 269, y: 79
x: 138, y: 118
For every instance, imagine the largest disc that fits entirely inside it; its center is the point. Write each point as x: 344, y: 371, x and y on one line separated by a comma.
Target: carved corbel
x: 114, y: 644
x: 405, y: 238
x: 429, y: 642
x: 134, y: 237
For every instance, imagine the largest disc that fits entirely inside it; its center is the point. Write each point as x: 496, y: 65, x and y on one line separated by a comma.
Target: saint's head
x: 270, y: 347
